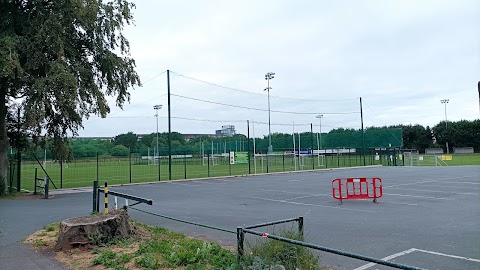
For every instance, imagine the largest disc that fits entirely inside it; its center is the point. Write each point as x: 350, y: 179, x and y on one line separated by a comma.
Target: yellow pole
x: 106, y: 198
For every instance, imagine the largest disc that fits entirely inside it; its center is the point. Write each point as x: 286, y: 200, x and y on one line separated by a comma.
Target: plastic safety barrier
x: 357, y: 188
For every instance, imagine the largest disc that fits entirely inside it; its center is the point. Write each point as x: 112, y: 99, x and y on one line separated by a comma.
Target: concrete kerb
x: 80, y: 190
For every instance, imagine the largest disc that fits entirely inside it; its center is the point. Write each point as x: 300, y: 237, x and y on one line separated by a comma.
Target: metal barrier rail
x: 185, y: 221
x: 326, y: 249
x: 106, y: 191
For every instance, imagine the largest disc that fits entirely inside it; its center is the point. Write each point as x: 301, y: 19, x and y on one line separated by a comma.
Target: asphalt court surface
x: 428, y: 216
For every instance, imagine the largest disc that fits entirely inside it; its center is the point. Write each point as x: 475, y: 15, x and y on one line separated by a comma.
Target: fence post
x: 338, y: 158
x: 35, y: 183
x: 98, y: 200
x: 61, y: 174
x: 229, y: 163
x: 159, y: 165
x: 130, y: 165
x: 267, y: 160
x: 19, y: 170
x: 95, y: 190
x: 185, y: 163
x: 47, y: 183
x: 283, y: 161
x: 240, y: 240
x: 300, y: 227
x: 97, y: 166
x: 106, y: 198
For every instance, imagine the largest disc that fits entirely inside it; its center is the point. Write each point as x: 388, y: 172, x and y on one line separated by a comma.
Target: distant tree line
x: 458, y: 134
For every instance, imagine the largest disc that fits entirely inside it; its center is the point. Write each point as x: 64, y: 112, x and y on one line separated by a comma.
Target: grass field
x: 124, y: 171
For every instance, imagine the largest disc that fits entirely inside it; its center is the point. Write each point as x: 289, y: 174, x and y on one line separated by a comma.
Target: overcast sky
x: 401, y: 57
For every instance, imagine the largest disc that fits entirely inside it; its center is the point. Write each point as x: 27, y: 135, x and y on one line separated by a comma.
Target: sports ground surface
x: 428, y: 217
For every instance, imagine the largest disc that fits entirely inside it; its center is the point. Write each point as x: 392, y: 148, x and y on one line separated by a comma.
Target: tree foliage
x: 59, y: 59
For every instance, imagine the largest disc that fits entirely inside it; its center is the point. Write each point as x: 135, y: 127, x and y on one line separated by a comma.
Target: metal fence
x: 138, y: 169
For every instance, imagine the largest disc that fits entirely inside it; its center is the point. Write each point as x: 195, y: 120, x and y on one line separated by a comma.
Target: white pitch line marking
x: 189, y: 185
x: 306, y: 196
x: 423, y: 197
x: 294, y: 180
x: 310, y: 204
x: 368, y: 265
x: 448, y: 192
x: 437, y: 180
x: 410, y: 204
x: 448, y: 255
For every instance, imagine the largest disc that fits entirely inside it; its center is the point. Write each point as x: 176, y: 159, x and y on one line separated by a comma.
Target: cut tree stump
x: 92, y: 230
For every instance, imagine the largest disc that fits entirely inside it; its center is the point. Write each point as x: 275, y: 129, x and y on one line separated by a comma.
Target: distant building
x: 226, y: 131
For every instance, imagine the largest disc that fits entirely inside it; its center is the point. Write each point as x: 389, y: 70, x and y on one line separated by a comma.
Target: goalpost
x: 321, y: 160
x: 213, y: 160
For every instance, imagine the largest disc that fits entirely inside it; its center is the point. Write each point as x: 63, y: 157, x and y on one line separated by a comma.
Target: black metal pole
x: 35, y: 182
x: 185, y: 163
x: 240, y: 251
x: 229, y: 162
x: 267, y: 161
x: 47, y: 186
x: 311, y: 139
x: 169, y: 130
x: 300, y: 227
x: 95, y: 194
x: 130, y: 165
x: 248, y: 146
x: 19, y: 156
x: 19, y: 170
x: 97, y: 166
x: 61, y: 174
x: 363, y: 133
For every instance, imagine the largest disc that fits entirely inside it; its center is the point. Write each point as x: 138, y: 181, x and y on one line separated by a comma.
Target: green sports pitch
x: 117, y: 171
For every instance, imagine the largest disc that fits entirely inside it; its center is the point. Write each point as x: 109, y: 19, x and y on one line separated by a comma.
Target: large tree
x: 59, y: 59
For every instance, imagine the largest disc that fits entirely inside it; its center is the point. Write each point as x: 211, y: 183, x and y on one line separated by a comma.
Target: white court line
x: 182, y: 184
x: 448, y: 192
x: 307, y: 196
x: 472, y: 183
x: 452, y: 186
x: 423, y: 197
x: 448, y: 255
x: 310, y: 204
x: 410, y: 204
x: 437, y: 180
x: 368, y: 265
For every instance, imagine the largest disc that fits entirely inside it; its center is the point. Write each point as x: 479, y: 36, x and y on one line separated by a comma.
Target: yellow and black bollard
x: 106, y: 198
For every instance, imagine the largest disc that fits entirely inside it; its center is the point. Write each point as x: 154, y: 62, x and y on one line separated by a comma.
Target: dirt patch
x: 25, y: 196
x: 82, y: 257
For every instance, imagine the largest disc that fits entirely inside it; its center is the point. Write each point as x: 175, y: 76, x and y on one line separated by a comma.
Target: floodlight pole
x: 363, y: 133
x: 445, y: 101
x: 169, y: 130
x: 157, y: 107
x: 478, y: 95
x: 268, y: 77
x: 248, y: 146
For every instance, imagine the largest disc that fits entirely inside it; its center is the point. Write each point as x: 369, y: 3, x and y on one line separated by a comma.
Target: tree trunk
x: 3, y: 143
x: 92, y: 230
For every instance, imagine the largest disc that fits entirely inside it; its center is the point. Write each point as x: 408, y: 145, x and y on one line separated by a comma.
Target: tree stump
x: 92, y: 230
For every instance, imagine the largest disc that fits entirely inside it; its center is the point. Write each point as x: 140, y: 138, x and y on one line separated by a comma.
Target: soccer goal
x: 321, y: 160
x: 302, y: 161
x: 213, y: 160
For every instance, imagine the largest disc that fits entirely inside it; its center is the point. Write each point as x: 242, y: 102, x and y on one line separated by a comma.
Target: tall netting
x: 221, y: 130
